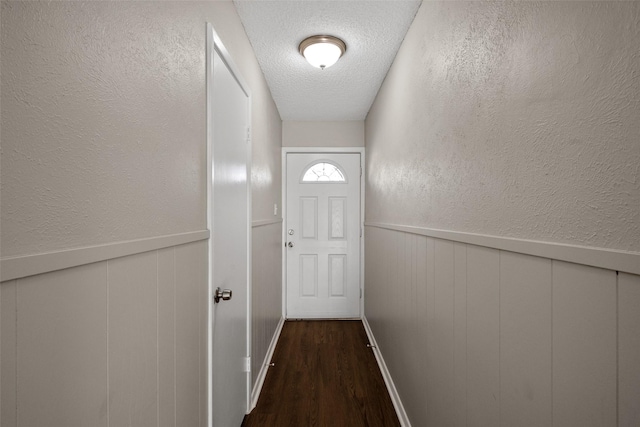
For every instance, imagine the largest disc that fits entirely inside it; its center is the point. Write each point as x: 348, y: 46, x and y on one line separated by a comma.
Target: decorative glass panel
x: 323, y: 172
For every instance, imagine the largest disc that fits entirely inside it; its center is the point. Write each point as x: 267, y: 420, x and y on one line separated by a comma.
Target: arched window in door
x: 323, y: 172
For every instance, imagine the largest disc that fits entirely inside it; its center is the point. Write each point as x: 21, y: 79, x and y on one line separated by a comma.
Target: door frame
x: 321, y: 150
x: 214, y: 43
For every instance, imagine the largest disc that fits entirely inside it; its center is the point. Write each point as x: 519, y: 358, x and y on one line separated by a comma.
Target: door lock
x: 224, y: 295
x: 290, y: 244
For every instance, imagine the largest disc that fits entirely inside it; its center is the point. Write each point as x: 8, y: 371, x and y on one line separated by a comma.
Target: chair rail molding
x: 610, y: 259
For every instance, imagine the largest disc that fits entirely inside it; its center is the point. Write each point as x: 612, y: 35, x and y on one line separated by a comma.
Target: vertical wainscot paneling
x: 190, y: 262
x: 375, y: 275
x: 403, y: 367
x: 166, y: 338
x: 203, y: 319
x: 385, y: 319
x: 266, y: 291
x: 61, y: 348
x: 372, y: 270
x: 584, y: 346
x: 525, y: 340
x: 474, y: 336
x: 628, y: 350
x: 483, y: 336
x: 430, y: 311
x: 441, y: 332
x: 419, y: 321
x: 133, y: 340
x: 8, y: 361
x: 387, y: 294
x: 460, y: 336
x: 411, y: 317
x: 115, y: 343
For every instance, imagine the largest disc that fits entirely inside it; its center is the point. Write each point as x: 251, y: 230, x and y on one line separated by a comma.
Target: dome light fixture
x: 322, y: 51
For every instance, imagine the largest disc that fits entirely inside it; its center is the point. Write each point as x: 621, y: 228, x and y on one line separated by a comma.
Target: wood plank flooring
x: 324, y: 375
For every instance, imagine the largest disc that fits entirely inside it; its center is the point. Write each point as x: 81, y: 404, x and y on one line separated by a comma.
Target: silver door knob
x: 224, y: 295
x: 290, y: 244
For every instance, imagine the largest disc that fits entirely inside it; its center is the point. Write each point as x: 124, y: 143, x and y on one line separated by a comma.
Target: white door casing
x: 323, y: 237
x: 228, y: 106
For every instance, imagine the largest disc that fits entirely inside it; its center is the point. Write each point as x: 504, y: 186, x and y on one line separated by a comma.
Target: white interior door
x: 323, y: 235
x: 229, y: 222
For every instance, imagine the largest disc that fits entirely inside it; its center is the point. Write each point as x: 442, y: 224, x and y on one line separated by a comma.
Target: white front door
x: 323, y: 235
x: 229, y: 223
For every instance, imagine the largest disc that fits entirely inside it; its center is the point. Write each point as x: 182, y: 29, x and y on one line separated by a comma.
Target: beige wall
x: 103, y: 120
x: 323, y: 134
x: 519, y: 121
x: 103, y: 141
x: 516, y: 120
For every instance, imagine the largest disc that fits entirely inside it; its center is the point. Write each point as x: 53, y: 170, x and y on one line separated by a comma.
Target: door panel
x: 337, y: 275
x: 309, y: 275
x: 229, y: 222
x: 323, y: 240
x: 309, y: 217
x: 337, y: 214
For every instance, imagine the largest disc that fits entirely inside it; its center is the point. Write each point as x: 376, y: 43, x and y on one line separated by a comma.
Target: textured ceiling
x: 372, y: 30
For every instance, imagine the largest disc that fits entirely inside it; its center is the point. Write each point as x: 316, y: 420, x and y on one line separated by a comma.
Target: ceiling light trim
x: 322, y: 40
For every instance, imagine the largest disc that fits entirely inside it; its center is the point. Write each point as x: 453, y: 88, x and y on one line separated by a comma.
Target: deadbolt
x: 224, y: 295
x: 291, y: 232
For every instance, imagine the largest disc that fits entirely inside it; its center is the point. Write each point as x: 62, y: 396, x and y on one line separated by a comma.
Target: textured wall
x: 104, y: 139
x: 266, y: 167
x: 266, y: 125
x: 512, y: 119
x: 323, y: 134
x: 103, y: 120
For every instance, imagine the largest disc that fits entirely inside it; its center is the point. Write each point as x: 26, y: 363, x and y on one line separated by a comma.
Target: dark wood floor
x: 324, y: 375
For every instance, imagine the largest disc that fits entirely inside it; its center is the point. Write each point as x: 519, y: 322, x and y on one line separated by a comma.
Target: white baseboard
x: 257, y: 387
x: 393, y: 393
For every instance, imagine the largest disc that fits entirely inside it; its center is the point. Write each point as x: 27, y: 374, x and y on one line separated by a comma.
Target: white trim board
x: 257, y: 387
x: 391, y: 387
x: 30, y: 265
x: 264, y: 222
x: 628, y: 262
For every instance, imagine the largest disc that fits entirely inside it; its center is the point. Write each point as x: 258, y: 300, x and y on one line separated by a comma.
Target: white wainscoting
x: 110, y: 343
x: 476, y: 336
x: 266, y: 295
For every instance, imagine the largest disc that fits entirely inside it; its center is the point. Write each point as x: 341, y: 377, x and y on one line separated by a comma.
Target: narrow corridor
x: 323, y: 375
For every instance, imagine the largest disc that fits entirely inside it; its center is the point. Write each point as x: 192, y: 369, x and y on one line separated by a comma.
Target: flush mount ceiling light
x: 322, y: 51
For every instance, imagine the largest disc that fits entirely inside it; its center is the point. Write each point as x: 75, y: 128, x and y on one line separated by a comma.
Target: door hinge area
x: 360, y: 293
x: 248, y: 135
x: 247, y: 364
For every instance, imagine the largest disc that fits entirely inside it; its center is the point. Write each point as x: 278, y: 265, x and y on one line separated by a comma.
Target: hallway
x: 323, y: 375
x: 499, y: 223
